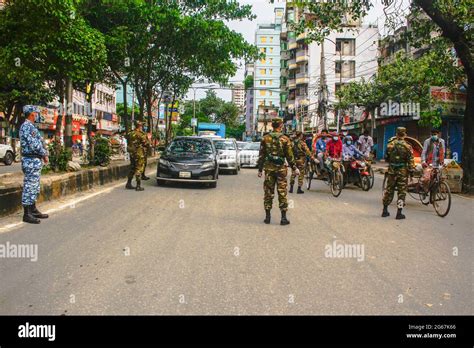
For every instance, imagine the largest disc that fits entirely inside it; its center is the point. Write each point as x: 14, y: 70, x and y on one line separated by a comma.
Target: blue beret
x: 28, y: 109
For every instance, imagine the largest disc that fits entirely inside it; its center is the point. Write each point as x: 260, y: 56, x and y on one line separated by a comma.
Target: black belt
x: 33, y: 156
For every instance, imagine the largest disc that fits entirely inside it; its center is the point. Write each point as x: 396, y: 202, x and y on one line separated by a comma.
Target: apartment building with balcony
x: 348, y: 56
x: 267, y: 73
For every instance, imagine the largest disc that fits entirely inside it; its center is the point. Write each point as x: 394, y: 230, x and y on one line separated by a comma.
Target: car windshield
x: 225, y: 145
x: 241, y: 145
x: 193, y: 146
x: 252, y: 146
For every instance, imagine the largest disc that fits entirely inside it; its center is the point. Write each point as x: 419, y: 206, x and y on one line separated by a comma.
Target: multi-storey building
x: 249, y: 99
x: 238, y: 95
x: 267, y: 73
x: 346, y: 56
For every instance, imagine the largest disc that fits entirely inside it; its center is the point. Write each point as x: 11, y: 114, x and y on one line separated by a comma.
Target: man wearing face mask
x: 432, y: 156
x: 320, y: 149
x: 334, y: 147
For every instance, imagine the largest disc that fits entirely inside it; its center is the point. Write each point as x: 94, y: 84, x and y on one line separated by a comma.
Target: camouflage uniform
x: 32, y: 151
x: 137, y: 146
x: 300, y: 151
x: 274, y: 149
x: 400, y: 158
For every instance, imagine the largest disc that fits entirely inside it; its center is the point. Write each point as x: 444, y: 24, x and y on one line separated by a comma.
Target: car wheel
x: 8, y: 159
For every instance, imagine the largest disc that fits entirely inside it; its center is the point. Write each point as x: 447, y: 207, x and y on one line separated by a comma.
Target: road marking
x: 69, y: 204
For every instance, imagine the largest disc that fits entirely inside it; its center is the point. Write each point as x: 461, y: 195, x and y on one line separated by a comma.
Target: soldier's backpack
x: 275, y: 152
x: 398, y: 155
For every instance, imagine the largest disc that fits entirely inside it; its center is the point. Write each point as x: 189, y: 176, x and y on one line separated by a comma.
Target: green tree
x: 451, y: 19
x: 52, y: 40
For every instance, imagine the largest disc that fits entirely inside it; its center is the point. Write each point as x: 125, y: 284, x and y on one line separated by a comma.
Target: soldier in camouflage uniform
x: 274, y: 149
x: 137, y: 145
x: 33, y: 154
x: 300, y: 151
x: 400, y: 165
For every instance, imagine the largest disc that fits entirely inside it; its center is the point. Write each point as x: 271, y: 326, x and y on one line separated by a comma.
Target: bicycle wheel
x: 336, y: 183
x: 307, y: 170
x: 441, y: 198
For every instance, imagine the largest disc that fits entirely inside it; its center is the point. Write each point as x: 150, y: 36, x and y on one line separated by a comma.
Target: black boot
x: 284, y: 220
x: 129, y: 184
x: 385, y: 212
x: 399, y: 216
x: 299, y: 190
x: 28, y: 216
x: 36, y: 213
x: 139, y: 185
x: 291, y: 189
x: 144, y: 177
x: 267, y: 217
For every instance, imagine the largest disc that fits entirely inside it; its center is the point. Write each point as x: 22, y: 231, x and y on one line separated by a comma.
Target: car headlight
x: 207, y: 165
x: 164, y: 162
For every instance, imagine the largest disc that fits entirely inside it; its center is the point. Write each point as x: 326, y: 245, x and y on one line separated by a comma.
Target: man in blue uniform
x: 32, y: 155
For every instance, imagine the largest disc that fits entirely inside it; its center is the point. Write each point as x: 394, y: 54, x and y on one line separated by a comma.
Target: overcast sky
x: 263, y: 9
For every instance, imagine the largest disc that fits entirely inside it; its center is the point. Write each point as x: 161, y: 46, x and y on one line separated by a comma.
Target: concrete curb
x: 56, y: 186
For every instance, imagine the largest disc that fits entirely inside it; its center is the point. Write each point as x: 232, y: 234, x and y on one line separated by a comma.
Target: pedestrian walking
x: 33, y: 153
x: 366, y: 143
x: 300, y: 152
x: 275, y: 147
x: 400, y: 165
x: 136, y: 147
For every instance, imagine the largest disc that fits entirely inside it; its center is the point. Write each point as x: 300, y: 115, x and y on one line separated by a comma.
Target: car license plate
x: 184, y: 174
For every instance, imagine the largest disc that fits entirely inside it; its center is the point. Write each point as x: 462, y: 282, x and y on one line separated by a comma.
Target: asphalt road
x: 194, y: 250
x: 13, y: 168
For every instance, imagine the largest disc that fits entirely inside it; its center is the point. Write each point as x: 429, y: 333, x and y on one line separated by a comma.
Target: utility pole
x: 194, y: 110
x: 340, y: 86
x: 322, y: 93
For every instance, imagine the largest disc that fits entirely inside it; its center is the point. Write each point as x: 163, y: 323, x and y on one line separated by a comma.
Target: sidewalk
x: 56, y: 185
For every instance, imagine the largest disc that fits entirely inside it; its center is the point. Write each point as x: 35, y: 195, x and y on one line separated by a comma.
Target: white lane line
x: 69, y: 204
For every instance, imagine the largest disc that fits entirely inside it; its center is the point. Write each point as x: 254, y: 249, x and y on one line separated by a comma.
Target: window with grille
x: 347, y: 46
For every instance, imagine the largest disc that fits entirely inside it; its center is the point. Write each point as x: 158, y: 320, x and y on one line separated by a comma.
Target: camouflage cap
x: 401, y: 131
x: 28, y: 109
x: 138, y: 124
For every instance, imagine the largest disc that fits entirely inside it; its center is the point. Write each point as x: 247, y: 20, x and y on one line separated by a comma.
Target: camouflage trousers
x: 300, y: 165
x: 275, y: 177
x: 397, y: 180
x: 137, y: 165
x: 31, y: 168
